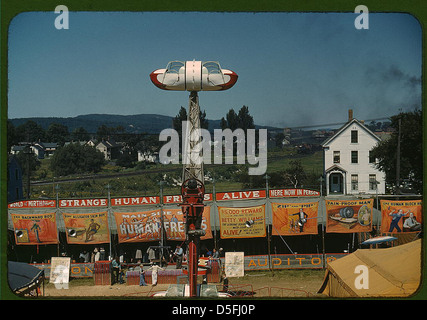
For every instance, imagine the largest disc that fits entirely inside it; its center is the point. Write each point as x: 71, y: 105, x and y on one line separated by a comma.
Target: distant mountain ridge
x: 139, y: 123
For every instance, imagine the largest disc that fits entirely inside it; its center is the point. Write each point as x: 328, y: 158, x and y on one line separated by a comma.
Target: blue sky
x: 295, y: 69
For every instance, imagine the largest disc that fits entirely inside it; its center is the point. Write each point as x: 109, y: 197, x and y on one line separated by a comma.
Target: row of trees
x: 401, y: 156
x: 58, y: 133
x: 75, y: 158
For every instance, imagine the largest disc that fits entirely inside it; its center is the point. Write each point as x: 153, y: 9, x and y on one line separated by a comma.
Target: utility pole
x: 28, y: 153
x: 266, y: 177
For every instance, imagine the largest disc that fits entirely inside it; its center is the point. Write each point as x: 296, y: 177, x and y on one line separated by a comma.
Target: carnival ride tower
x: 193, y: 76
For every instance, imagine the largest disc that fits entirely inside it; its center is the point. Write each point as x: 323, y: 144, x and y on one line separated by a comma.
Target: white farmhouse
x: 349, y: 168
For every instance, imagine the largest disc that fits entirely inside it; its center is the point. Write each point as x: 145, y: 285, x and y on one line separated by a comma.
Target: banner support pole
x: 268, y: 228
x: 108, y: 214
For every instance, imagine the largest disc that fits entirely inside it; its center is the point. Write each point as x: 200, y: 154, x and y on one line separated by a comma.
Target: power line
x: 333, y: 124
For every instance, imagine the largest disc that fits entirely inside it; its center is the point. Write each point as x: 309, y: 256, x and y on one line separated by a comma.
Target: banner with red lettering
x: 87, y: 228
x: 401, y: 216
x: 146, y: 225
x: 35, y: 228
x: 294, y: 218
x: 170, y: 199
x: 77, y: 203
x: 241, y: 195
x: 286, y: 193
x: 25, y: 204
x: 248, y: 222
x: 134, y: 201
x: 349, y: 216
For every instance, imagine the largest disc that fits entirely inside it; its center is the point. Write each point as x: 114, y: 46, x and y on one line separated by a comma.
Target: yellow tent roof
x: 392, y: 272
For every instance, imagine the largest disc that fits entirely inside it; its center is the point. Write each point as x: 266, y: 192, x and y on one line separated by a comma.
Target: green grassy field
x: 133, y: 181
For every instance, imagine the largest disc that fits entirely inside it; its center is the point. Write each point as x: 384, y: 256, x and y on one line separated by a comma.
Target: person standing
x: 102, y: 254
x: 116, y: 270
x: 142, y: 275
x: 97, y: 254
x: 179, y: 254
x: 154, y: 271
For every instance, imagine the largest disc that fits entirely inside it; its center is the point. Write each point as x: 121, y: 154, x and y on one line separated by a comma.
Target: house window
x: 354, y: 182
x: 354, y: 138
x: 372, y: 182
x: 372, y: 159
x: 354, y: 157
x: 336, y: 157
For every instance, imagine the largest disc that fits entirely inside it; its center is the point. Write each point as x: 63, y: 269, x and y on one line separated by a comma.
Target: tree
x: 204, y: 123
x: 80, y: 134
x: 231, y: 121
x: 28, y: 161
x: 182, y: 116
x: 57, y: 133
x: 295, y: 174
x: 12, y: 135
x: 234, y: 120
x: 411, y: 155
x: 109, y: 133
x: 245, y: 120
x: 177, y: 121
x: 127, y: 160
x: 75, y: 158
x: 241, y: 120
x: 30, y: 131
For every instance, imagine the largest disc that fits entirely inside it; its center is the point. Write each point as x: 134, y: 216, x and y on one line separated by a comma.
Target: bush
x: 75, y: 158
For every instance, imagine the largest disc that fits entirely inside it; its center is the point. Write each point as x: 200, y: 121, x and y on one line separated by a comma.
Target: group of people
x: 118, y: 274
x: 96, y: 255
x: 177, y: 256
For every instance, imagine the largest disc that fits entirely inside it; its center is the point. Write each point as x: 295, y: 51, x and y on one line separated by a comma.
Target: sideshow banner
x: 401, y: 216
x: 60, y: 272
x: 234, y: 264
x: 145, y: 226
x: 294, y: 218
x: 349, y: 216
x: 35, y: 228
x: 87, y: 228
x: 246, y: 222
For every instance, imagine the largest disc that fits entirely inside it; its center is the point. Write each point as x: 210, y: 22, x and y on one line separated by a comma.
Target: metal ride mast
x: 193, y: 190
x: 193, y: 76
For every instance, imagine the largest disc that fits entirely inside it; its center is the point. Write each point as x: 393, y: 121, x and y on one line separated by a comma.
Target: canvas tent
x: 392, y: 272
x: 24, y: 278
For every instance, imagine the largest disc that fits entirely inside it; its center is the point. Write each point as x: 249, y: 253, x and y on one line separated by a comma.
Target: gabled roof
x: 344, y: 127
x: 336, y: 168
x: 109, y: 144
x: 17, y: 148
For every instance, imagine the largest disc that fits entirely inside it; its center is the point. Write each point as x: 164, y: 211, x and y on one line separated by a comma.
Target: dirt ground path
x: 290, y: 283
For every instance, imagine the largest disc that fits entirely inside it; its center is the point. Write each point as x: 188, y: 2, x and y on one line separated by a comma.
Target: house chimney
x: 350, y: 114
